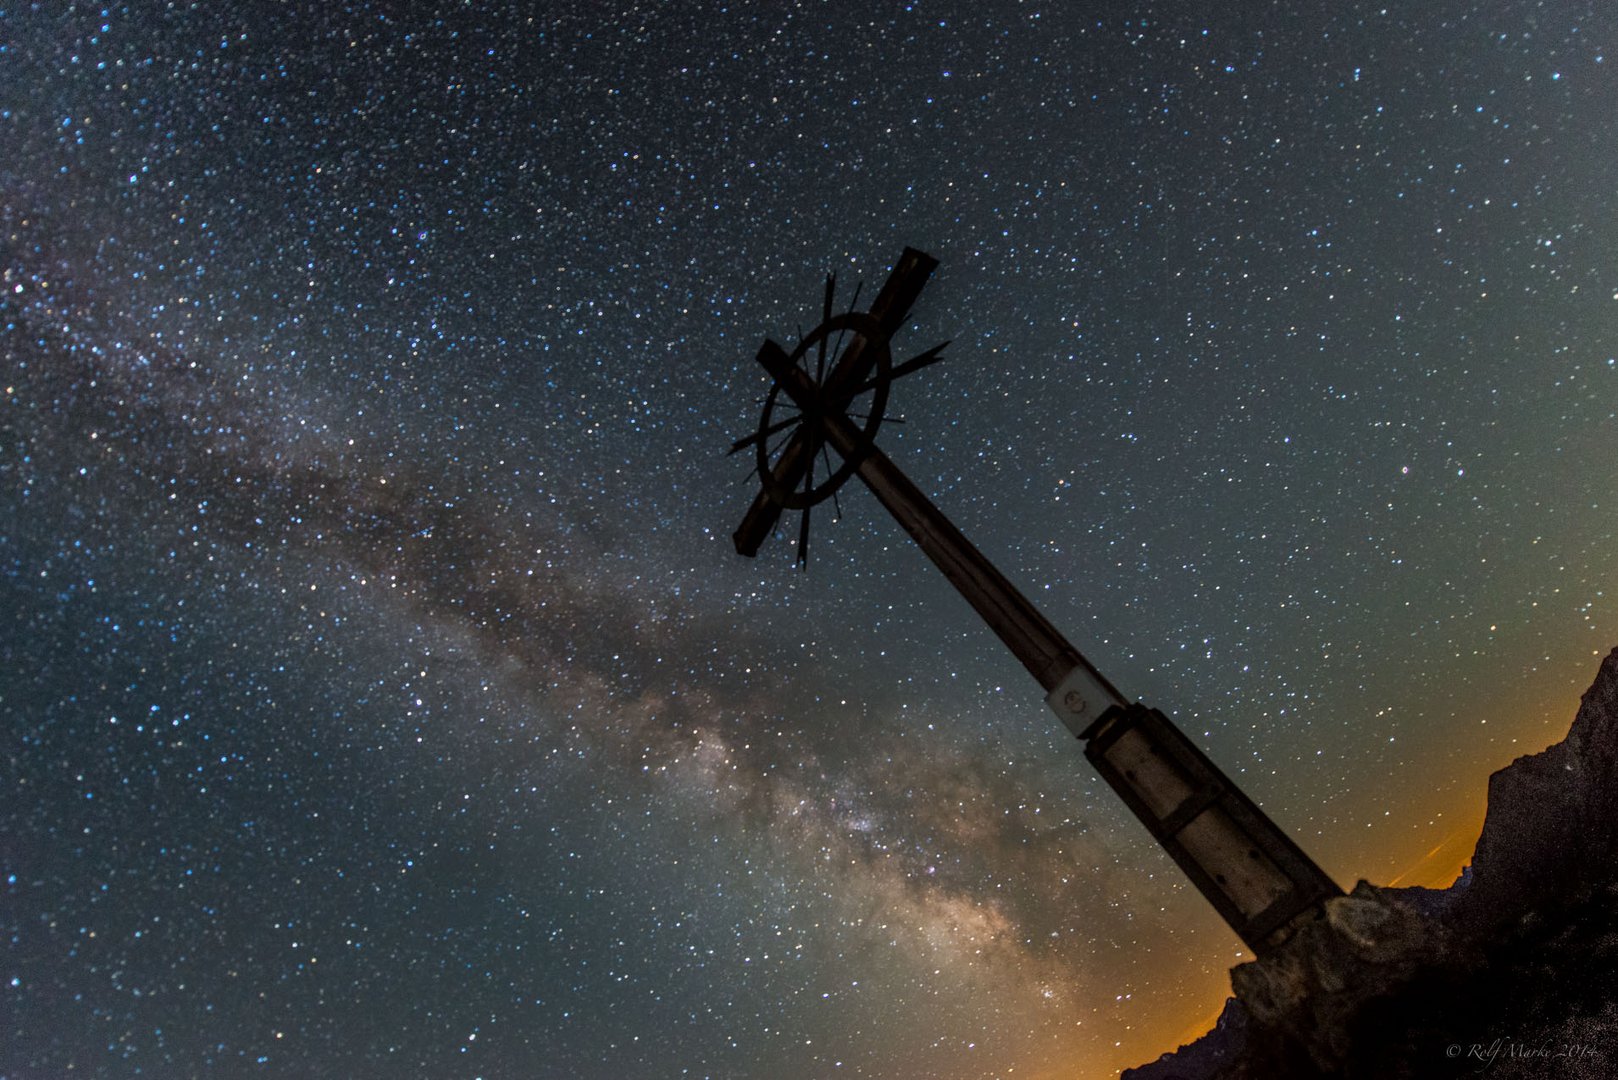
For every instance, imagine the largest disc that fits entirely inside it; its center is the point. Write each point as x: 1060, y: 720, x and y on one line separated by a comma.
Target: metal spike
x: 803, y: 526
x: 803, y: 540
x: 749, y: 440
x: 914, y: 364
x: 825, y: 456
x: 772, y: 451
x: 838, y: 351
x: 825, y: 314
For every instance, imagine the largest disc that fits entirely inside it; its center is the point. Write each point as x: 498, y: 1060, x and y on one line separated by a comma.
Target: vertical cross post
x: 1249, y: 869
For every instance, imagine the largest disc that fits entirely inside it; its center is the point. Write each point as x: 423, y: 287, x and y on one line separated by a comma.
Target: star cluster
x: 382, y: 694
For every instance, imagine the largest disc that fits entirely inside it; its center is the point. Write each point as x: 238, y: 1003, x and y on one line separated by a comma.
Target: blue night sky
x: 382, y: 695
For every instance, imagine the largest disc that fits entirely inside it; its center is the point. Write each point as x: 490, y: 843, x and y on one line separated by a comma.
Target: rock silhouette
x: 1513, y: 970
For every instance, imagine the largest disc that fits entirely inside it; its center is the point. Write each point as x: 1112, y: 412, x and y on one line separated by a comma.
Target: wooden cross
x: 1258, y: 879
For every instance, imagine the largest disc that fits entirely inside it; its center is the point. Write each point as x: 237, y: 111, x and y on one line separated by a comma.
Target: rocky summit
x: 1512, y: 971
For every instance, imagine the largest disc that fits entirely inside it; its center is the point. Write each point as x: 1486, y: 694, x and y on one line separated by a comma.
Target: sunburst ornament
x: 838, y: 374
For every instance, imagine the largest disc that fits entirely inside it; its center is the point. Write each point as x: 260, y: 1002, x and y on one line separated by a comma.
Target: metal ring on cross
x: 808, y: 427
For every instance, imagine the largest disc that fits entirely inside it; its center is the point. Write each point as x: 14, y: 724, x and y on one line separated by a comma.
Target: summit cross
x: 832, y: 393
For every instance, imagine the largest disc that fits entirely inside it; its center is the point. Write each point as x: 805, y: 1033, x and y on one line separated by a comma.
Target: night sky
x: 382, y: 695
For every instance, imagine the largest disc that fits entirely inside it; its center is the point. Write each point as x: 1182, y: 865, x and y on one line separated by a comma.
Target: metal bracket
x: 1080, y: 699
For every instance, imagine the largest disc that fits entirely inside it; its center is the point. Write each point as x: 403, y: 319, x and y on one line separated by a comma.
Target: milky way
x: 383, y: 695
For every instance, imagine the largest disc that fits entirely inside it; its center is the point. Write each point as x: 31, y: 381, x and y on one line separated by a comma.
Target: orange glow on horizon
x: 1516, y: 728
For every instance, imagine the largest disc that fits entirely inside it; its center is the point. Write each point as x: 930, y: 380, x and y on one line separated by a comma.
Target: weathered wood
x: 1247, y: 867
x: 1241, y: 860
x: 1029, y: 635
